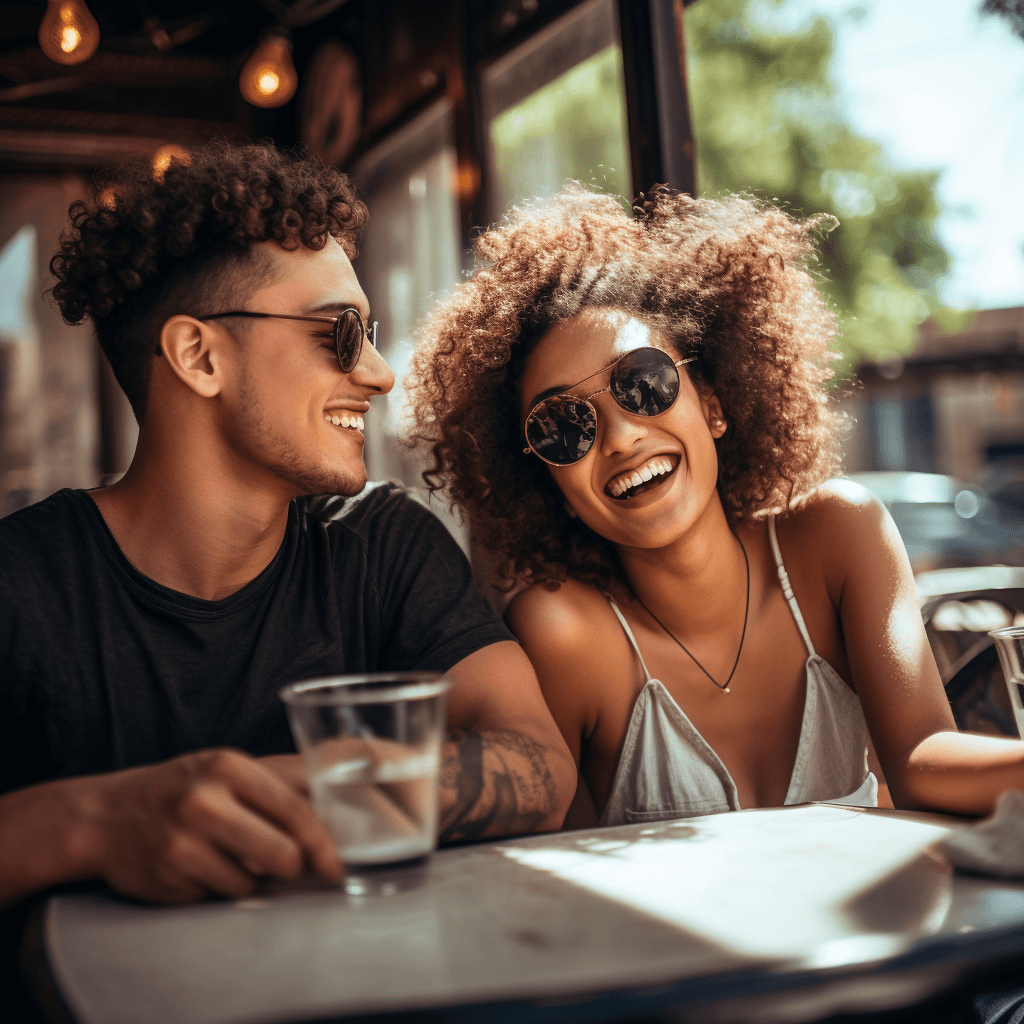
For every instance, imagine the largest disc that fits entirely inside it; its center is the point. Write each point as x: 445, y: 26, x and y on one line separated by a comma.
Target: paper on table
x: 763, y: 883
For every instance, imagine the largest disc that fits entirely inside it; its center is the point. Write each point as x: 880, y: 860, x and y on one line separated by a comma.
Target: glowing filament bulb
x: 269, y: 78
x: 68, y: 33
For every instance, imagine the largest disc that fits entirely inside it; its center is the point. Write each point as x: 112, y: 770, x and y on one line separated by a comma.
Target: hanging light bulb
x: 165, y: 154
x: 269, y: 78
x: 68, y: 33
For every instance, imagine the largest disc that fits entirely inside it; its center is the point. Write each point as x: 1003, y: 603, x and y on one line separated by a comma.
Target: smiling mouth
x: 345, y: 420
x: 653, y: 473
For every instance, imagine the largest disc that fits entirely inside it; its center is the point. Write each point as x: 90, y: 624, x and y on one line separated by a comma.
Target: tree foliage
x: 767, y: 121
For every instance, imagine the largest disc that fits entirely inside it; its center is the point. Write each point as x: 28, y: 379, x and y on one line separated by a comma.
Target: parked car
x: 946, y: 523
x: 1004, y: 482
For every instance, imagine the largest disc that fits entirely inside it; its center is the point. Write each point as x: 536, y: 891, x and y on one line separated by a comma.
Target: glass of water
x: 372, y: 748
x: 1010, y: 646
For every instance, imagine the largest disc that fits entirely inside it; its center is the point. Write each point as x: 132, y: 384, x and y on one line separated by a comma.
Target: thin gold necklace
x: 723, y: 687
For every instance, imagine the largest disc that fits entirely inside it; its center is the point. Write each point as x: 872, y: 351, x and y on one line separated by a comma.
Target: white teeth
x: 353, y: 421
x: 648, y: 471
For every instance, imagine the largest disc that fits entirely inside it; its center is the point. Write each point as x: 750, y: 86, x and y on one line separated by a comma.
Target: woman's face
x: 673, y: 454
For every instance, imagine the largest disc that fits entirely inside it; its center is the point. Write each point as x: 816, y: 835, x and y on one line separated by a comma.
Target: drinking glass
x: 372, y: 749
x: 1010, y: 646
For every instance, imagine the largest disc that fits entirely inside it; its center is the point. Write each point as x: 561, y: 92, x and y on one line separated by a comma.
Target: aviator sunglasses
x: 561, y: 429
x: 349, y: 331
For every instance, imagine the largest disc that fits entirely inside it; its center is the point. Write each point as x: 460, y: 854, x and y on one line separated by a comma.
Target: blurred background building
x: 903, y: 121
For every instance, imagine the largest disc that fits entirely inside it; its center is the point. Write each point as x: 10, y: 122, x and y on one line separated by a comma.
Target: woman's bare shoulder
x: 841, y: 526
x: 838, y: 510
x: 564, y: 617
x: 577, y: 648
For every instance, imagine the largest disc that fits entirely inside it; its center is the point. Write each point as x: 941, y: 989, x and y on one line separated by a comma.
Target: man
x: 145, y: 628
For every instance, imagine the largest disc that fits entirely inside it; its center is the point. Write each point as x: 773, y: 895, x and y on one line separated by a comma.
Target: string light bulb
x: 269, y: 78
x: 68, y: 33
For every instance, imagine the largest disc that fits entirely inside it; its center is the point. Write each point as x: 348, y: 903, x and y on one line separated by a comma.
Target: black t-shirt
x: 101, y: 668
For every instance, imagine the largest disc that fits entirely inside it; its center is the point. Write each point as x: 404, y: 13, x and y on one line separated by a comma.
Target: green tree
x: 767, y: 122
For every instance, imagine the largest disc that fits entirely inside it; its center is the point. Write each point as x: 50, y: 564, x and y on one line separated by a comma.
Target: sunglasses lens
x: 561, y: 430
x: 645, y: 382
x: 348, y: 337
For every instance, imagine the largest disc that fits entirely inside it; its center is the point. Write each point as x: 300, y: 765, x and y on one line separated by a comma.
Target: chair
x: 959, y: 607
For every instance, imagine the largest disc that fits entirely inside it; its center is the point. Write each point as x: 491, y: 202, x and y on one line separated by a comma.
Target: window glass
x: 555, y: 109
x: 19, y: 370
x: 50, y: 422
x: 409, y: 259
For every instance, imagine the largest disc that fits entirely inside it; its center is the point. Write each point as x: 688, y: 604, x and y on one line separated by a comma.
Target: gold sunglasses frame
x: 561, y: 465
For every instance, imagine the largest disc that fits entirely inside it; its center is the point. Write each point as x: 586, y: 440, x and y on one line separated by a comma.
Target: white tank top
x: 668, y: 770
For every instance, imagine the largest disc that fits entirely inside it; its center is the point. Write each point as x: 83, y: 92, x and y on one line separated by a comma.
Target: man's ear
x: 713, y: 414
x: 192, y: 351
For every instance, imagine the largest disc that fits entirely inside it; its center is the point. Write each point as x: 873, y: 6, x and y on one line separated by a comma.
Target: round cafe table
x: 788, y: 914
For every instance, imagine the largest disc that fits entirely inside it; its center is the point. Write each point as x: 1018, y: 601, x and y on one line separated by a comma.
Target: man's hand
x: 291, y: 768
x: 212, y: 822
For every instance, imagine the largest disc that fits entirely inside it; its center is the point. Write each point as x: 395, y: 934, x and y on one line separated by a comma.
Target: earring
x: 719, y: 425
x: 570, y: 512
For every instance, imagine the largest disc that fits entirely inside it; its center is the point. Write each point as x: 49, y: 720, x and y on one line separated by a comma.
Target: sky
x: 942, y: 88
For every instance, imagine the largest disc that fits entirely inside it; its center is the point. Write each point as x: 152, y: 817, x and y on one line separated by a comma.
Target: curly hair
x: 723, y: 280
x: 151, y: 246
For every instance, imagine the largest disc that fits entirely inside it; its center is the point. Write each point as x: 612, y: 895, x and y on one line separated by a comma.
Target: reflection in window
x: 555, y: 109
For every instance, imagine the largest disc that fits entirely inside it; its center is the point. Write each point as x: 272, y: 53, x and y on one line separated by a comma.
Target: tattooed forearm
x: 494, y: 783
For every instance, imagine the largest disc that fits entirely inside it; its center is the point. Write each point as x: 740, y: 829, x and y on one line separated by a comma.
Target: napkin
x: 994, y: 846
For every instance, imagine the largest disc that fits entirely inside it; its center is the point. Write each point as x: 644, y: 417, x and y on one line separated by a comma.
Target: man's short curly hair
x: 149, y: 247
x: 723, y: 280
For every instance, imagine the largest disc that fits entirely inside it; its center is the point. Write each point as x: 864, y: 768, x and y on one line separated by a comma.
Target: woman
x: 633, y: 414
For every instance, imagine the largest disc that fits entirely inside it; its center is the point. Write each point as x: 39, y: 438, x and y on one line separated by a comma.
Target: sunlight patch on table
x: 791, y: 882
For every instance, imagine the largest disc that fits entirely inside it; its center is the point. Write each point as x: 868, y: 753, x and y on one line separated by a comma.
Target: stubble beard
x: 302, y: 470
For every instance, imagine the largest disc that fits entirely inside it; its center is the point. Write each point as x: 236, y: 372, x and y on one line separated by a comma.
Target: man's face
x: 289, y: 411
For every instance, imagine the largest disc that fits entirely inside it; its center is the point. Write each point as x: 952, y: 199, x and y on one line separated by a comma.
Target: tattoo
x: 494, y: 783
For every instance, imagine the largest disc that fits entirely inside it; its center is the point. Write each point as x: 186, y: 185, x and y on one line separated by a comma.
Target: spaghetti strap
x: 787, y: 589
x: 632, y: 639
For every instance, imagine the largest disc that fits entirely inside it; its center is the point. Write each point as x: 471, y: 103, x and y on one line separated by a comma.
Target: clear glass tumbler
x: 372, y: 748
x: 1010, y: 646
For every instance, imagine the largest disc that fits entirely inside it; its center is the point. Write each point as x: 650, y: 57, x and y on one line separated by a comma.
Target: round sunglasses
x: 561, y: 429
x: 349, y: 331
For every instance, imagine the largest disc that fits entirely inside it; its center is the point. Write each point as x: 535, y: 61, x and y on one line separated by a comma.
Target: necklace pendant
x: 725, y: 689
